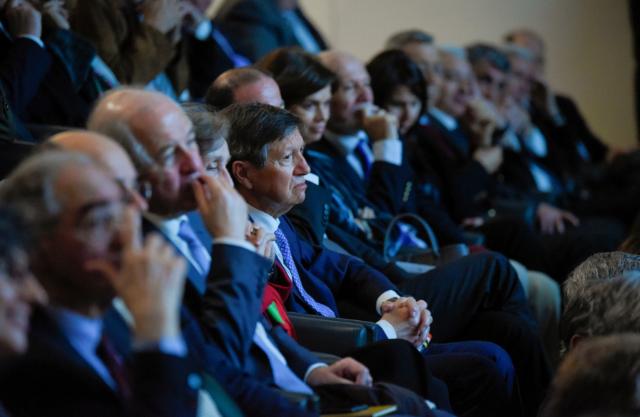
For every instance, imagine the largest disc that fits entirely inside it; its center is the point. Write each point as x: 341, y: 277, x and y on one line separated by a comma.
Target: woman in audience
x: 19, y: 289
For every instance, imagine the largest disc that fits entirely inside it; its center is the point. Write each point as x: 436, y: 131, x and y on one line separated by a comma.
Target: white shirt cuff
x: 35, y: 39
x: 388, y: 150
x: 234, y: 242
x: 388, y: 329
x: 168, y: 345
x: 203, y: 31
x: 384, y: 297
x: 312, y: 367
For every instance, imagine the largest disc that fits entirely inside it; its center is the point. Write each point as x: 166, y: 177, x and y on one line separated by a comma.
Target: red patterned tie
x: 115, y: 364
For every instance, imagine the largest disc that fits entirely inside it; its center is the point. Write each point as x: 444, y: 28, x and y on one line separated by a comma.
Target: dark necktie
x: 115, y: 365
x: 364, y: 157
x: 287, y: 259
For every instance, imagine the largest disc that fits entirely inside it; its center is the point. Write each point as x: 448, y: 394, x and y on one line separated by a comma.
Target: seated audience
x: 160, y: 140
x: 87, y: 250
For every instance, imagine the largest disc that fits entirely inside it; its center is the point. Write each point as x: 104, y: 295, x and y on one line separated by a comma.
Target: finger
x: 574, y: 220
x: 131, y: 231
x: 560, y: 225
x: 364, y: 378
x: 200, y: 195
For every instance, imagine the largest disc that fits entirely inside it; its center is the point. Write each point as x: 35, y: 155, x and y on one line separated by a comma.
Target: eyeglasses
x: 139, y: 186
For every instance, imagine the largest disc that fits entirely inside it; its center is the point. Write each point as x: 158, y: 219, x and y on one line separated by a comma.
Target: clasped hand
x: 410, y: 318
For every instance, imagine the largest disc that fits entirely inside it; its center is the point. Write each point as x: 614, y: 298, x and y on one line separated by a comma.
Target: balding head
x: 160, y: 140
x: 106, y: 152
x: 351, y: 91
x: 243, y: 86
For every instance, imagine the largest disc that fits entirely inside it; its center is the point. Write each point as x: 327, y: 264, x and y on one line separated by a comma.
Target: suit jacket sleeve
x: 231, y: 304
x: 135, y: 52
x: 389, y: 187
x: 344, y: 275
x: 22, y: 69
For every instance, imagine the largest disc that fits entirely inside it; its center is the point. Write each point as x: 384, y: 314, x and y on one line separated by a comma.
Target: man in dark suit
x: 275, y: 183
x: 88, y: 249
x: 256, y: 27
x: 160, y: 140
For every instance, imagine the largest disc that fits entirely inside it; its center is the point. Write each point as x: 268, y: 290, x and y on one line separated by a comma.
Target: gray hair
x: 599, y: 378
x: 401, y: 39
x: 211, y: 129
x: 598, y: 267
x: 604, y: 308
x: 30, y: 189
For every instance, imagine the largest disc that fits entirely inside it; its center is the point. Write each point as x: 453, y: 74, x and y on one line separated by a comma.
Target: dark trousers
x: 557, y: 254
x: 479, y: 297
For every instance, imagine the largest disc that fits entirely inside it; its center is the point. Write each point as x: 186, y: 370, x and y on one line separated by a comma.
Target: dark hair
x: 298, y: 73
x: 484, y: 52
x: 391, y: 69
x: 401, y: 39
x: 220, y: 93
x: 253, y: 127
x: 210, y: 128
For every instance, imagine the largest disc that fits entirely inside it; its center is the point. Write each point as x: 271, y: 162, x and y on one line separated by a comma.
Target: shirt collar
x: 168, y: 226
x: 83, y: 332
x: 268, y: 223
x: 345, y: 143
x: 447, y: 120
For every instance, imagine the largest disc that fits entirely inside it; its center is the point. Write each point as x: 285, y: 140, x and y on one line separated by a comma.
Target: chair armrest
x: 331, y: 335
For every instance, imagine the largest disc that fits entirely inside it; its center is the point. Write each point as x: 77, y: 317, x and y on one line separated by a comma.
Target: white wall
x: 589, y: 51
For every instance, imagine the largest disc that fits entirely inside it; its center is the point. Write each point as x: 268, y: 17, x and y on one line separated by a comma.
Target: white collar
x: 345, y: 143
x: 83, y: 332
x: 268, y: 223
x: 168, y: 226
x: 447, y: 120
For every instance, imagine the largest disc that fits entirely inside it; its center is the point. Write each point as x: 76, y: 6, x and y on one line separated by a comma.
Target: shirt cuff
x: 34, y: 38
x: 384, y: 297
x: 234, y: 242
x: 388, y: 150
x: 203, y: 31
x: 168, y: 345
x: 312, y: 367
x: 388, y: 329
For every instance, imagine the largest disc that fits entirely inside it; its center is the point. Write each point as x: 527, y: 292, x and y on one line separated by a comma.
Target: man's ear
x: 575, y: 339
x: 241, y: 171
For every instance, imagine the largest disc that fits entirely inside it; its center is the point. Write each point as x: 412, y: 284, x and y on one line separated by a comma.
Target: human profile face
x: 168, y: 137
x: 520, y: 80
x: 406, y: 106
x: 19, y: 291
x: 353, y: 92
x: 215, y: 163
x: 279, y: 184
x: 425, y: 56
x: 88, y: 229
x: 491, y: 81
x: 314, y: 113
x: 265, y: 90
x: 456, y: 87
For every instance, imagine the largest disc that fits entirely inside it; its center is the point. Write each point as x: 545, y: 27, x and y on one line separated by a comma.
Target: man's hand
x: 223, y: 209
x: 150, y: 281
x: 490, y: 158
x: 551, y: 219
x: 56, y: 13
x: 344, y: 371
x: 262, y: 241
x: 164, y: 15
x: 23, y: 19
x: 378, y: 124
x: 482, y: 119
x: 410, y: 318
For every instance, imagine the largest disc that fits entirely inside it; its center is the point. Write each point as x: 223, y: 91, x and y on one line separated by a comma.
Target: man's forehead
x: 291, y: 141
x: 80, y: 185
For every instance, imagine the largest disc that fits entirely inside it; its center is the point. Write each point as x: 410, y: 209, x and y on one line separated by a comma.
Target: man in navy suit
x: 269, y: 169
x: 87, y: 251
x: 161, y: 141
